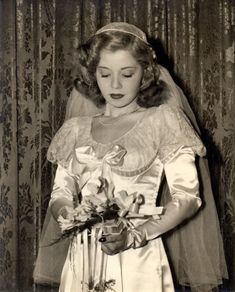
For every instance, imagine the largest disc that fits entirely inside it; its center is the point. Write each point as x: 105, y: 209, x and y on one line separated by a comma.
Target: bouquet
x: 102, y: 207
x: 99, y: 206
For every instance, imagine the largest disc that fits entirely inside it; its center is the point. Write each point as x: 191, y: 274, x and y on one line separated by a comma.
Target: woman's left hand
x: 115, y: 243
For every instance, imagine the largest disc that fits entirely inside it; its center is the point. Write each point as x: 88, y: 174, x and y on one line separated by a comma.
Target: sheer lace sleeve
x: 62, y: 147
x: 176, y: 131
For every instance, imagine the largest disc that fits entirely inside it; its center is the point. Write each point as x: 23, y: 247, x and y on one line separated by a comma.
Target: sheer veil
x: 195, y: 248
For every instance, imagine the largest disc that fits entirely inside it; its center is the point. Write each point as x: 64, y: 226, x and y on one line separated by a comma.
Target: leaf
x: 27, y: 116
x: 44, y: 55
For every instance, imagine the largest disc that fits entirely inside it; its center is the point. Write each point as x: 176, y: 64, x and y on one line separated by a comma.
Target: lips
x: 116, y: 96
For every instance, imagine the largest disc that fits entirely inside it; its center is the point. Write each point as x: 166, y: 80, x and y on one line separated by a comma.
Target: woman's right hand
x: 66, y: 212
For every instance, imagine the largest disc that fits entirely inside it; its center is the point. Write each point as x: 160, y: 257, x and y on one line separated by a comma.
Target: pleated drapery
x: 194, y: 39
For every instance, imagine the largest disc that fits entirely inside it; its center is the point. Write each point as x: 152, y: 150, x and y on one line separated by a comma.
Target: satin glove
x: 115, y: 243
x: 182, y: 179
x: 129, y: 237
x: 64, y: 190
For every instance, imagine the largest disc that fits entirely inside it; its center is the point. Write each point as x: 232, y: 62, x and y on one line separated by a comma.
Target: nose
x: 116, y: 82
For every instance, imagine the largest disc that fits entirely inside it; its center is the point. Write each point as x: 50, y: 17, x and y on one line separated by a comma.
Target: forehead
x: 117, y: 58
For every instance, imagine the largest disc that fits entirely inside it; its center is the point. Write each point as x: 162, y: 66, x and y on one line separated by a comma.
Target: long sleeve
x: 182, y: 179
x: 64, y: 190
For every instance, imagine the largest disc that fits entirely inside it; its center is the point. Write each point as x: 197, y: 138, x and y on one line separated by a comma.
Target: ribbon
x: 92, y: 167
x: 130, y: 206
x: 86, y: 155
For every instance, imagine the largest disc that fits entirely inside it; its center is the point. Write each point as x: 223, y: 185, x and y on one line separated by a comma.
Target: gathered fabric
x: 87, y: 266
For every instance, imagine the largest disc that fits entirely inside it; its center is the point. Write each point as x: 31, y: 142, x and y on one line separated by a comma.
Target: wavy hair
x: 152, y: 92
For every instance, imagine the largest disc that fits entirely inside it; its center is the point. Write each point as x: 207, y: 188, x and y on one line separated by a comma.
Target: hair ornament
x: 153, y: 53
x: 125, y: 28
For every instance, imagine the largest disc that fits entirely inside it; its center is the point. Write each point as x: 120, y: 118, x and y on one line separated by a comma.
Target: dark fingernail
x: 102, y: 239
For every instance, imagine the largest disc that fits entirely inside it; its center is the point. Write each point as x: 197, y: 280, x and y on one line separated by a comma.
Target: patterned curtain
x: 194, y: 39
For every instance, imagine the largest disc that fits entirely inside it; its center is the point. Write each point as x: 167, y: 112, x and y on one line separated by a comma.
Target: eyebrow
x: 123, y: 68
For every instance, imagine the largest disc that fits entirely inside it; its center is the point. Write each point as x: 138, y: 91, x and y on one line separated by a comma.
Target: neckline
x: 139, y: 109
x: 132, y: 107
x: 115, y: 141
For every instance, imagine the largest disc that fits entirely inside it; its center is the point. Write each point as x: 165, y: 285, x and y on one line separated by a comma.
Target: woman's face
x: 118, y: 76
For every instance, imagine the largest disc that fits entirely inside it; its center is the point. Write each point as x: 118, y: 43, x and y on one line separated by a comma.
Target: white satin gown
x: 162, y: 144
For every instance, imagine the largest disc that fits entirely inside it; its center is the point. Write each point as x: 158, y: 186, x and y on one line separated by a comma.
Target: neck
x: 120, y: 111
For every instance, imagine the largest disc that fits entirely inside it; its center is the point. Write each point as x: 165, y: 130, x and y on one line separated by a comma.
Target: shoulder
x: 163, y: 114
x: 165, y: 110
x: 66, y: 139
x: 173, y: 129
x: 168, y: 115
x: 72, y: 128
x: 75, y: 124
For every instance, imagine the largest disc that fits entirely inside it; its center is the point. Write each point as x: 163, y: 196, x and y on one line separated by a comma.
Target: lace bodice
x: 158, y: 135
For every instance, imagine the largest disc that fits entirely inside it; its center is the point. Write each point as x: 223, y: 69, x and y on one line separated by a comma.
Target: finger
x: 102, y: 239
x: 114, y: 237
x: 70, y: 213
x: 112, y: 248
x: 109, y: 239
x: 108, y: 250
x: 113, y: 245
x: 65, y: 212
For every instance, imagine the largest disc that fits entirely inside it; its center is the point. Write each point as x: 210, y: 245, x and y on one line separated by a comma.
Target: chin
x: 120, y: 103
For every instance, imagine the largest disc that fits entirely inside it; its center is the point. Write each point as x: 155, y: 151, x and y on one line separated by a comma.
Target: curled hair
x: 152, y: 91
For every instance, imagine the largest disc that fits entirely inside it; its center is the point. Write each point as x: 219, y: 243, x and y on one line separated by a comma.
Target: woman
x: 137, y: 141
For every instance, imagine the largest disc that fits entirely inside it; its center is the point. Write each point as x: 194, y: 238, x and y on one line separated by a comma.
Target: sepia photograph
x: 117, y: 146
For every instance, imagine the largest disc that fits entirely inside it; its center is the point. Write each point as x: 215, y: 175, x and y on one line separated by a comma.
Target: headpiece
x: 125, y: 28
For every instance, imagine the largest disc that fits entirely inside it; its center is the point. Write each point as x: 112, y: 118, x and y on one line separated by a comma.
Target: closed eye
x: 105, y: 75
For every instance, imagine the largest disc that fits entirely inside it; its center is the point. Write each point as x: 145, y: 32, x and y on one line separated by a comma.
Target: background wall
x: 194, y: 40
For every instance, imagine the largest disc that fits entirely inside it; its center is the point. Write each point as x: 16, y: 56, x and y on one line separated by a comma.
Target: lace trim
x: 131, y: 173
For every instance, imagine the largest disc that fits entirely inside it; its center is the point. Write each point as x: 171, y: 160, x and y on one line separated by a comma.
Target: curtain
x: 30, y: 113
x: 194, y: 39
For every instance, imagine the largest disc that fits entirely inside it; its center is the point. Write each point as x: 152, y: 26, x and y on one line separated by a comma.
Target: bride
x: 138, y: 139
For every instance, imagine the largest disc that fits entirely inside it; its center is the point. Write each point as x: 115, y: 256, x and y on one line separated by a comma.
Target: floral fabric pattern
x: 37, y: 41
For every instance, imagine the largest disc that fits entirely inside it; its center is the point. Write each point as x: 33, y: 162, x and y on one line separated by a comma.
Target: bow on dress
x: 92, y: 167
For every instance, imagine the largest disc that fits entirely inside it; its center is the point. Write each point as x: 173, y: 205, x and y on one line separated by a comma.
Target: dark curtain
x: 194, y: 39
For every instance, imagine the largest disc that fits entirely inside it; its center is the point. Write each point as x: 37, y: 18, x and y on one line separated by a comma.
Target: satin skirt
x: 134, y: 270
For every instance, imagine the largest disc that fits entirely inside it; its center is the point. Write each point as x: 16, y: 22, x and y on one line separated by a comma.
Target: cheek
x: 101, y: 84
x: 138, y: 79
x: 134, y: 86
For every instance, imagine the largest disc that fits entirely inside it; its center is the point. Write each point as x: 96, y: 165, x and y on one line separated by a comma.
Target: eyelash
x: 124, y: 75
